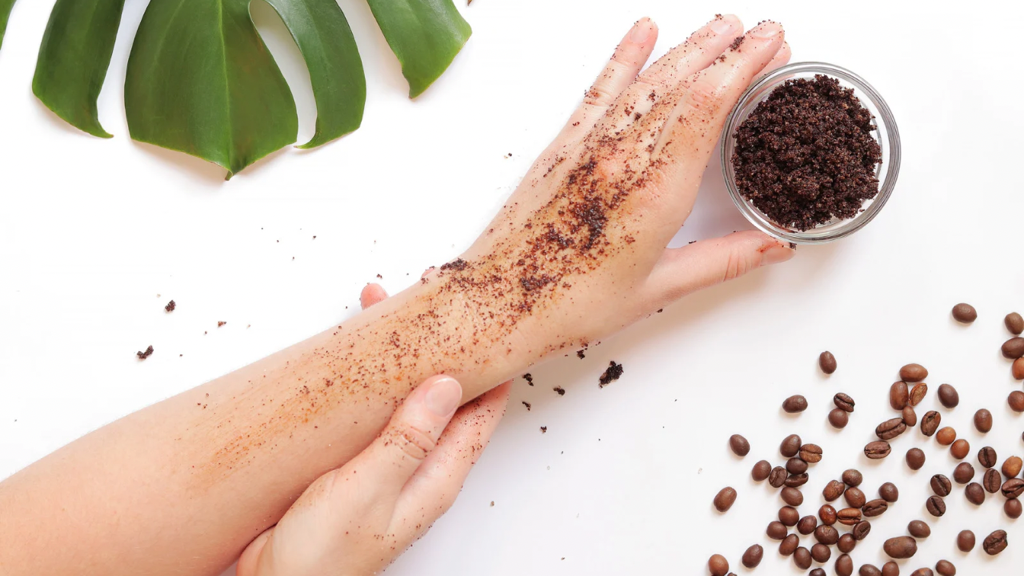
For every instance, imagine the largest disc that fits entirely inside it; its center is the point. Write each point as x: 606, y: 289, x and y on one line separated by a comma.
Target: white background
x: 97, y: 235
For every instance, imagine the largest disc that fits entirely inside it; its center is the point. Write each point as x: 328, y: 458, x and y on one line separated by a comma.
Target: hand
x: 359, y: 518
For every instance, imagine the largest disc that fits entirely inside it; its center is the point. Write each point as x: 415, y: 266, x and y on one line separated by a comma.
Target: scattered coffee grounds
x: 613, y: 373
x: 806, y: 156
x: 559, y: 390
x: 146, y: 354
x: 220, y: 323
x: 170, y: 306
x: 581, y: 353
x: 529, y: 378
x: 543, y: 429
x: 528, y: 405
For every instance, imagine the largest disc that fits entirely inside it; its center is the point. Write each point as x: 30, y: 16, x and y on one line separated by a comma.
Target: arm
x: 577, y: 253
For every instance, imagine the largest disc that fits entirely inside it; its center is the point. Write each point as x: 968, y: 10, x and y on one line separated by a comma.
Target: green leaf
x: 5, y: 12
x: 425, y: 35
x: 74, y: 57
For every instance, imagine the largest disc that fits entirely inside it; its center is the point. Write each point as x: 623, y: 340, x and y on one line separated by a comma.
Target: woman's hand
x: 359, y: 518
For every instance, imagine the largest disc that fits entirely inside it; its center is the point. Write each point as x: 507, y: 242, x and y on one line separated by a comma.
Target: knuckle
x: 736, y: 265
x: 704, y: 95
x: 414, y: 442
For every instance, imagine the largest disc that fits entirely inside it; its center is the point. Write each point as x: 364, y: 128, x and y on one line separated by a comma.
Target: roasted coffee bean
x: 1013, y: 488
x: 909, y: 417
x: 777, y: 477
x: 790, y: 446
x: 913, y: 373
x: 994, y: 543
x: 1012, y: 508
x: 789, y: 545
x: 789, y: 516
x: 844, y: 565
x: 983, y: 421
x: 760, y: 471
x: 846, y: 543
x: 1014, y: 323
x: 796, y: 480
x: 890, y: 569
x: 869, y: 570
x: 936, y: 506
x: 890, y: 428
x: 992, y: 481
x: 941, y: 485
x: 827, y: 514
x: 917, y: 393
x: 877, y: 450
x: 930, y: 422
x: 821, y: 553
x: 945, y: 568
x: 833, y: 490
x: 963, y: 473
x: 965, y: 541
x: 987, y: 457
x: 792, y: 496
x: 960, y: 449
x: 838, y: 418
x: 802, y: 558
x: 919, y: 529
x: 848, y: 516
x: 795, y: 404
x: 776, y: 530
x: 806, y: 525
x: 915, y: 458
x: 827, y: 362
x: 826, y: 535
x: 922, y: 572
x: 1011, y: 467
x: 752, y: 557
x: 816, y: 571
x: 852, y: 478
x: 1016, y: 400
x: 855, y: 497
x: 810, y: 453
x: 899, y: 395
x: 718, y: 565
x: 725, y: 498
x: 875, y: 508
x: 948, y: 396
x: 1014, y: 347
x: 900, y: 547
x: 861, y: 530
x: 889, y: 492
x: 1017, y: 369
x: 844, y: 402
x: 946, y: 436
x: 964, y: 313
x: 739, y: 445
x: 796, y: 466
x: 975, y: 494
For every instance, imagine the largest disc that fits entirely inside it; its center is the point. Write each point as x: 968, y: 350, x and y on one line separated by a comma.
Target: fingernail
x: 776, y: 255
x: 641, y: 31
x: 723, y: 24
x: 766, y: 29
x: 443, y: 397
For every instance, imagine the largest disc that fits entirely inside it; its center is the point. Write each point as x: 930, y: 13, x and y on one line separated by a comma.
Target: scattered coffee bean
x: 844, y: 402
x: 852, y: 478
x: 796, y: 466
x: 987, y: 457
x: 913, y: 373
x: 789, y: 545
x: 826, y: 535
x: 922, y: 572
x: 945, y: 568
x: 963, y: 473
x: 874, y: 508
x: 821, y: 553
x: 909, y: 417
x: 725, y: 498
x: 1017, y: 369
x: 855, y: 497
x: 860, y: 530
x: 1013, y: 488
x: 790, y: 446
x: 899, y: 396
x: 1013, y: 348
x: 1016, y: 401
x: 827, y: 362
x: 802, y: 558
x: 936, y: 506
x: 718, y: 565
x: 975, y: 494
x: 810, y: 453
x: 964, y: 313
x: 889, y: 492
x: 917, y: 393
x: 838, y: 418
x: 994, y: 543
x: 877, y: 450
x: 849, y: 516
x: 983, y: 421
x: 796, y: 480
x: 760, y: 471
x: 1012, y: 508
x: 965, y: 541
x: 752, y: 557
x: 890, y: 568
x: 941, y: 485
x: 946, y: 436
x: 795, y: 404
x: 792, y: 496
x: 789, y: 516
x: 919, y: 529
x: 930, y: 422
x: 992, y: 481
x: 890, y: 428
x: 900, y: 547
x: 827, y: 514
x: 869, y: 570
x: 777, y: 477
x: 833, y: 490
x: 844, y: 565
x: 776, y: 530
x: 1012, y: 466
x: 846, y: 543
x: 1014, y: 323
x: 739, y: 445
x: 915, y: 458
x: 948, y: 396
x: 807, y: 525
x: 960, y: 449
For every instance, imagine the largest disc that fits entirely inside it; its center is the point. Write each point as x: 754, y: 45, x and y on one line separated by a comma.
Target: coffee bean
x: 795, y: 404
x: 852, y: 478
x: 1012, y: 508
x: 789, y: 545
x: 900, y: 547
x: 964, y: 313
x: 777, y: 477
x: 838, y: 418
x: 875, y: 508
x: 987, y: 457
x: 752, y: 557
x: 796, y: 466
x: 827, y: 514
x: 946, y: 436
x: 975, y: 494
x: 919, y: 529
x: 930, y: 423
x: 821, y: 553
x: 922, y: 572
x: 899, y: 396
x: 965, y: 541
x: 889, y: 492
x: 1013, y: 488
x: 890, y: 569
x: 844, y: 402
x: 1013, y: 348
x: 827, y: 362
x: 909, y: 417
x: 792, y: 496
x: 739, y: 445
x: 806, y: 525
x: 725, y: 498
x: 948, y: 396
x: 860, y: 530
x: 833, y: 490
x: 802, y: 558
x: 877, y: 450
x: 796, y: 480
x: 1017, y: 369
x: 941, y: 485
x: 983, y: 421
x: 810, y: 453
x: 992, y: 481
x: 963, y: 473
x: 995, y: 543
x: 960, y: 449
x: 917, y: 393
x: 789, y: 516
x: 915, y: 458
x: 844, y: 565
x: 1014, y: 323
x: 890, y: 428
x: 869, y: 570
x: 790, y: 446
x: 1011, y: 467
x: 936, y: 506
x: 1016, y: 400
x: 846, y: 543
x: 855, y: 497
x: 826, y: 535
x: 760, y: 471
x: 848, y: 516
x: 718, y: 565
x: 913, y: 373
x: 776, y: 530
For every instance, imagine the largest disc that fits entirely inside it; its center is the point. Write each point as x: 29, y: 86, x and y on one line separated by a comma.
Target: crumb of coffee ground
x: 610, y: 375
x: 560, y: 390
x: 543, y: 429
x: 170, y: 306
x: 221, y: 323
x: 527, y: 404
x: 146, y: 354
x: 529, y: 378
x: 806, y: 155
x: 736, y: 43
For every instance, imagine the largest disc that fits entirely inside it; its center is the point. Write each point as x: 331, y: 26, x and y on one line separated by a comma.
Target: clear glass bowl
x: 887, y: 134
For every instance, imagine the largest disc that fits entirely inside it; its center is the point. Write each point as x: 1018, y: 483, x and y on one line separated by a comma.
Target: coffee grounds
x: 610, y: 375
x: 146, y: 354
x: 529, y: 378
x: 806, y: 155
x: 170, y: 306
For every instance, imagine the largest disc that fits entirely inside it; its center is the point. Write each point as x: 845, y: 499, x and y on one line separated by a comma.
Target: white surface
x: 96, y: 236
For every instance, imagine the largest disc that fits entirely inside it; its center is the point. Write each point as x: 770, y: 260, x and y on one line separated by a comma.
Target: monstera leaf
x: 5, y: 12
x: 200, y: 80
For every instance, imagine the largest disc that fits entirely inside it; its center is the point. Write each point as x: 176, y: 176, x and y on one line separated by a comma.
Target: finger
x: 372, y: 294
x: 695, y: 54
x: 780, y: 59
x: 249, y: 560
x: 437, y: 482
x: 681, y: 271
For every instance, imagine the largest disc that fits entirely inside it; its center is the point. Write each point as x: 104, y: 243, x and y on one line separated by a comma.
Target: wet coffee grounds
x: 610, y: 375
x: 806, y: 155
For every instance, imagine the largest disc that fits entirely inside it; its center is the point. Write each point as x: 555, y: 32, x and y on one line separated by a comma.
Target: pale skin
x: 578, y: 252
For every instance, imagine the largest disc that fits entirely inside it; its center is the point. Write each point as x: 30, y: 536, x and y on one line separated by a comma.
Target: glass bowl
x: 886, y: 133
